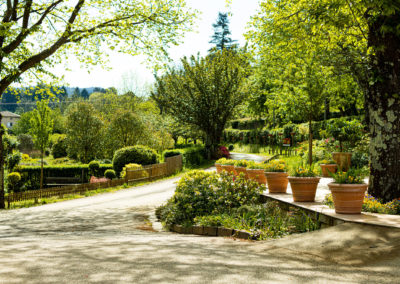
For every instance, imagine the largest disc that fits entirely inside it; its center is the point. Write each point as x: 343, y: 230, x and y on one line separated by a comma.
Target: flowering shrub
x: 304, y: 171
x: 223, y: 152
x: 373, y: 205
x: 352, y: 176
x: 220, y: 161
x: 201, y: 193
x: 276, y: 166
x: 241, y: 163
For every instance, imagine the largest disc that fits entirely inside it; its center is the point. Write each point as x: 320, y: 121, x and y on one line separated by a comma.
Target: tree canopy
x: 204, y: 92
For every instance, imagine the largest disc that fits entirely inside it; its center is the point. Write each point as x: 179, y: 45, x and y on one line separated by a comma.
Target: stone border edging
x: 212, y: 232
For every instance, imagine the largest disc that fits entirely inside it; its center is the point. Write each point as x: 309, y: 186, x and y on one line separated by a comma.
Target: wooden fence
x: 148, y: 173
x: 282, y: 151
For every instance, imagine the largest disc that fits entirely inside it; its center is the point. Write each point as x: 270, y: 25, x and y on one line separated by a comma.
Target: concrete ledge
x: 327, y: 216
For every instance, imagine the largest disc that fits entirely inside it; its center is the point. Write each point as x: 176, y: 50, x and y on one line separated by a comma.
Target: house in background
x: 9, y: 118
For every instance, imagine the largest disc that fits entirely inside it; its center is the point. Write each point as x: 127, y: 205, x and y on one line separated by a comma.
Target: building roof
x: 8, y: 114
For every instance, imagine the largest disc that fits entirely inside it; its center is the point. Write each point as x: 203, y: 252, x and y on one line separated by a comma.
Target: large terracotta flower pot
x: 343, y: 160
x: 229, y: 169
x: 218, y: 167
x: 304, y: 188
x: 258, y: 175
x: 241, y: 170
x: 327, y: 169
x: 277, y: 182
x: 348, y: 198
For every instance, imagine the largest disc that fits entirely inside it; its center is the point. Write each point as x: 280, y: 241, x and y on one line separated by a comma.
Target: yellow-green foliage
x: 276, y: 166
x: 13, y: 181
x: 139, y: 171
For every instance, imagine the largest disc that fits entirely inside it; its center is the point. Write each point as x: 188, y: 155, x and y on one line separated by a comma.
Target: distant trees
x: 221, y: 37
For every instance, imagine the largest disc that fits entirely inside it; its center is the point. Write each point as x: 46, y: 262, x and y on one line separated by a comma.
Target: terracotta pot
x: 328, y: 168
x: 348, y: 198
x: 229, y: 168
x: 218, y: 167
x: 241, y: 170
x: 343, y: 160
x: 277, y: 182
x: 304, y: 188
x: 258, y: 175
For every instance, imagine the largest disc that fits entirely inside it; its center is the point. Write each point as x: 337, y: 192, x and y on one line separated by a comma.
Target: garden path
x: 108, y: 239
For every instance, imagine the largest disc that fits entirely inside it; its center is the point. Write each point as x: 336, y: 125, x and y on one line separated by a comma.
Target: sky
x: 127, y: 69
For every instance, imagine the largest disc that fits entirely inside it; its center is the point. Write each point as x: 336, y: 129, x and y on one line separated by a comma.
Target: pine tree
x: 221, y: 37
x: 85, y: 94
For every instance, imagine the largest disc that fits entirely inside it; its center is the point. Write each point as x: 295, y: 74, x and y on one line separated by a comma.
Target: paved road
x: 108, y: 239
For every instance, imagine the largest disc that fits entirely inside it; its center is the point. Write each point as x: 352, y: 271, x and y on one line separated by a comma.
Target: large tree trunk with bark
x: 2, y: 200
x: 383, y: 101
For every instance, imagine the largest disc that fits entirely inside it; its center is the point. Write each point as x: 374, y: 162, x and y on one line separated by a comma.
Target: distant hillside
x: 70, y: 90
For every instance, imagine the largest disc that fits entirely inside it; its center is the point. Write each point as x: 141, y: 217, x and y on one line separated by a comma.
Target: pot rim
x: 346, y: 187
x: 305, y: 178
x: 274, y: 173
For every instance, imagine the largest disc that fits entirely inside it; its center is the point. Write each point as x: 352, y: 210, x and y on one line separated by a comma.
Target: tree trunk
x: 326, y: 109
x: 41, y: 171
x: 310, y: 137
x: 383, y: 101
x: 2, y: 201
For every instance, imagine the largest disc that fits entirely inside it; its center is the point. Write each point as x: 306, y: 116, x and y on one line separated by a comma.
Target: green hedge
x: 274, y: 137
x: 30, y: 175
x: 192, y: 156
x: 141, y: 155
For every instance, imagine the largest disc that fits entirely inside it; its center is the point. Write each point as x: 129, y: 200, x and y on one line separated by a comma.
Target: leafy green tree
x: 204, y: 93
x: 126, y: 128
x: 41, y: 128
x: 221, y: 37
x: 61, y: 27
x: 356, y: 37
x: 84, y: 131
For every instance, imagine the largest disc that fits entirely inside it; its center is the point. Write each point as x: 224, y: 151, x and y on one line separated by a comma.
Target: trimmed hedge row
x: 273, y: 137
x: 192, y: 156
x: 30, y: 175
x: 141, y: 155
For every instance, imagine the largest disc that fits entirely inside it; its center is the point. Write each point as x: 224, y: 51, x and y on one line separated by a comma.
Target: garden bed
x: 207, y: 203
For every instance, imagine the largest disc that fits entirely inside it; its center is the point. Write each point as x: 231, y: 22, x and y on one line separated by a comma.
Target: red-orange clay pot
x: 258, y: 175
x: 218, y: 167
x: 328, y: 168
x: 241, y: 170
x: 229, y: 169
x: 277, y: 182
x: 348, y: 198
x: 304, y: 188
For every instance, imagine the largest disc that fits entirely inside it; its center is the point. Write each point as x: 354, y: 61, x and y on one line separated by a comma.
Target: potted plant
x: 228, y: 166
x: 255, y: 171
x: 277, y: 177
x: 348, y: 191
x: 345, y: 132
x: 218, y: 164
x: 304, y: 183
x: 328, y: 167
x: 240, y: 167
